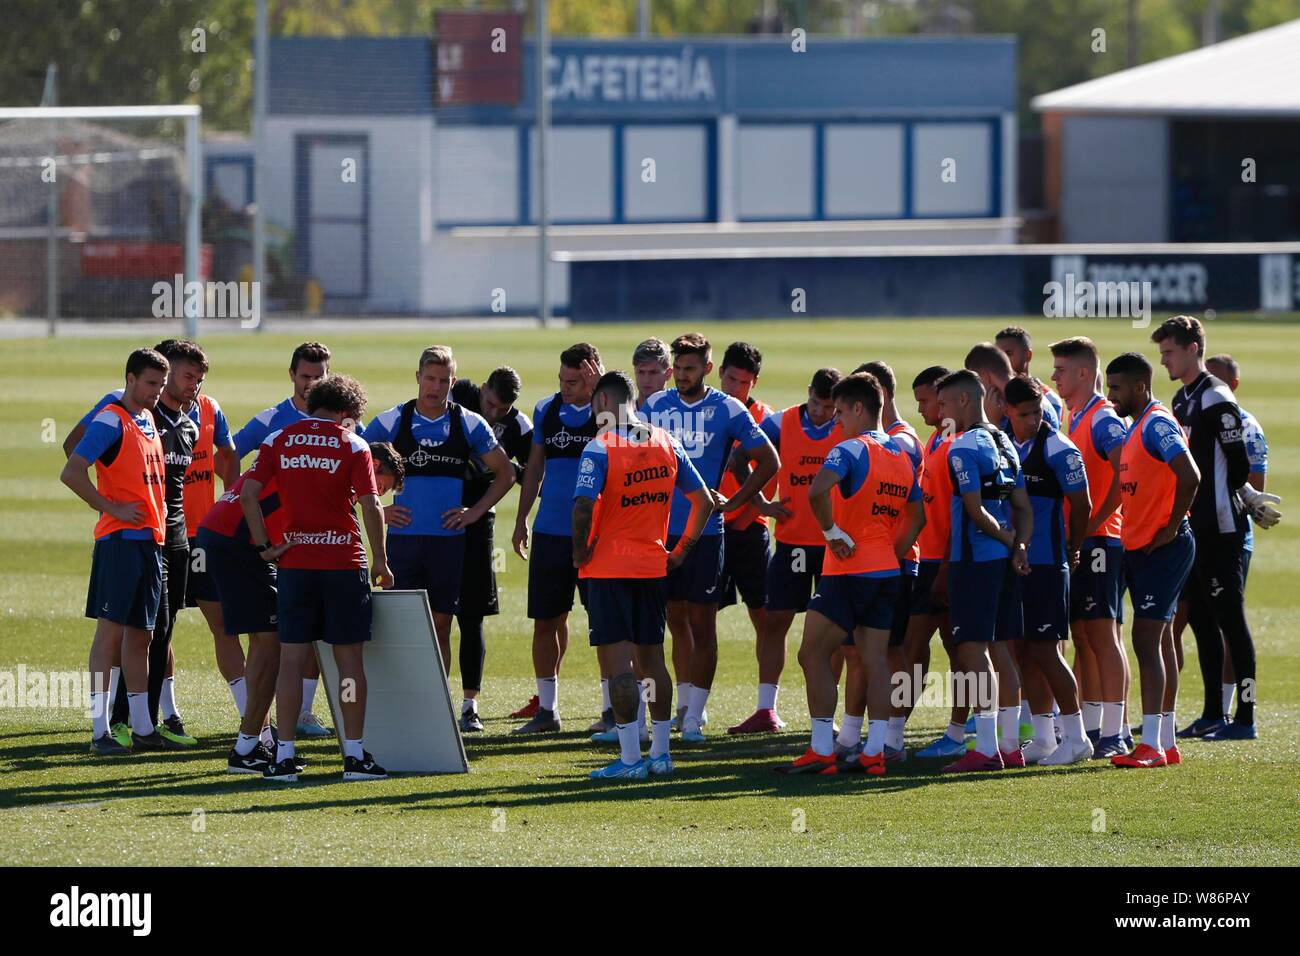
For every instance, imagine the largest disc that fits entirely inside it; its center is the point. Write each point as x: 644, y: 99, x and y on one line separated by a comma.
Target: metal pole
x: 50, y: 97
x: 1132, y: 19
x: 1210, y: 24
x: 193, y: 220
x: 543, y: 49
x: 643, y: 18
x: 261, y: 66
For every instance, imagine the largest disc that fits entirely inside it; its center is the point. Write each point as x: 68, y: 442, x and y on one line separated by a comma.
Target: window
x: 776, y: 171
x: 679, y: 192
x: 864, y: 170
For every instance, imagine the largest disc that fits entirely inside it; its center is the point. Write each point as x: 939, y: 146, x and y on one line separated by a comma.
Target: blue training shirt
x: 250, y: 437
x: 555, y: 500
x: 103, y: 433
x: 1065, y: 462
x: 429, y: 496
x: 706, y: 430
x: 220, y: 427
x: 1051, y: 413
x: 771, y: 427
x: 975, y: 458
x: 593, y: 468
x: 852, y: 463
x: 1257, y: 452
x: 1162, y: 437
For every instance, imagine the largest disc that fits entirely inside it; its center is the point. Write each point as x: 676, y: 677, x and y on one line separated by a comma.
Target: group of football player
x: 1014, y: 528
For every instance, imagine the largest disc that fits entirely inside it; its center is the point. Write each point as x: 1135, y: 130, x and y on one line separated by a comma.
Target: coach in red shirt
x: 323, y: 588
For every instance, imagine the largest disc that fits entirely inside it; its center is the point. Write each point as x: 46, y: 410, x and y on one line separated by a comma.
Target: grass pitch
x: 528, y: 801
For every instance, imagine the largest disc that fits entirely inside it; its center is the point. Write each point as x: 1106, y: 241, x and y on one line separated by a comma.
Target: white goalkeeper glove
x: 1260, y: 506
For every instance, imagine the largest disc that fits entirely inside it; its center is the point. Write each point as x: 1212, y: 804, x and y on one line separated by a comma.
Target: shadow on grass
x: 726, y: 768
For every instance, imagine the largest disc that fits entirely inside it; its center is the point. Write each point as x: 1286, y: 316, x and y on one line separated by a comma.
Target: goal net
x: 97, y: 204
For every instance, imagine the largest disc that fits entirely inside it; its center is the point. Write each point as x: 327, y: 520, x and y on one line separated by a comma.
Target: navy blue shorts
x: 199, y: 586
x: 744, y: 566
x: 126, y: 582
x: 429, y: 562
x: 902, y: 609
x: 1097, y: 585
x: 1155, y: 580
x: 851, y: 601
x: 478, y: 582
x: 925, y: 600
x: 985, y: 601
x: 552, y: 577
x: 245, y: 584
x: 626, y: 609
x: 1046, y: 597
x: 793, y: 575
x: 323, y: 605
x: 699, y: 578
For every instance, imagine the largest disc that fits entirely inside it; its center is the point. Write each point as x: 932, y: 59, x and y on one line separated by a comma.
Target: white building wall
x: 401, y: 197
x: 1114, y: 179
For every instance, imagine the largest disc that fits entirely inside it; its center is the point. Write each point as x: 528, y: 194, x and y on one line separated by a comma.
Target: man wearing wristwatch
x: 992, y: 522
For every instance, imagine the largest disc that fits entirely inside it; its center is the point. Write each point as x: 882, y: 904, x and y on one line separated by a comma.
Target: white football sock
x: 604, y: 694
x: 895, y: 738
x: 100, y: 707
x: 244, y: 744
x: 695, y: 709
x: 266, y: 737
x: 683, y: 694
x: 284, y: 751
x: 1167, y: 730
x: 629, y: 742
x: 823, y: 736
x: 308, y: 693
x: 469, y: 705
x: 353, y: 748
x: 955, y: 732
x: 1092, y: 715
x: 1072, y: 727
x: 767, y: 696
x: 850, y: 731
x: 986, y: 733
x: 1026, y: 712
x: 1044, y: 732
x: 139, y: 707
x: 1112, y: 718
x: 1228, y: 691
x: 877, y: 731
x: 659, y: 730
x: 548, y: 692
x: 239, y: 691
x: 167, y: 699
x: 1151, y: 730
x: 1009, y: 728
x: 113, y: 677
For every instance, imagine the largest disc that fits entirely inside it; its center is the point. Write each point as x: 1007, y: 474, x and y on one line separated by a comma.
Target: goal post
x: 115, y: 189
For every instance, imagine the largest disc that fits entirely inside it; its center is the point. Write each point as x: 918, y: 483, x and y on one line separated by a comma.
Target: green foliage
x: 112, y: 52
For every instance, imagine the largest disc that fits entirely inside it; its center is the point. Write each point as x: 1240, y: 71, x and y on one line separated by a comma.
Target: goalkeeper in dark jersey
x: 1211, y: 420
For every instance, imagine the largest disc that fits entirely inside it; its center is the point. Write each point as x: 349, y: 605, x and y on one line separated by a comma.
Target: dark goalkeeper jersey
x: 1211, y: 420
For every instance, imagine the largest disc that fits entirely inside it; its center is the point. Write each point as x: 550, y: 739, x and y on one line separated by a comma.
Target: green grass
x: 1227, y: 804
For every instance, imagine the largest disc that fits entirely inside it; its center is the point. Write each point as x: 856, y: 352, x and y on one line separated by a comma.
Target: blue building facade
x: 697, y: 143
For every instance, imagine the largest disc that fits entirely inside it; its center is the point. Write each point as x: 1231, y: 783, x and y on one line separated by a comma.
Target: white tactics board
x: 410, y: 723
